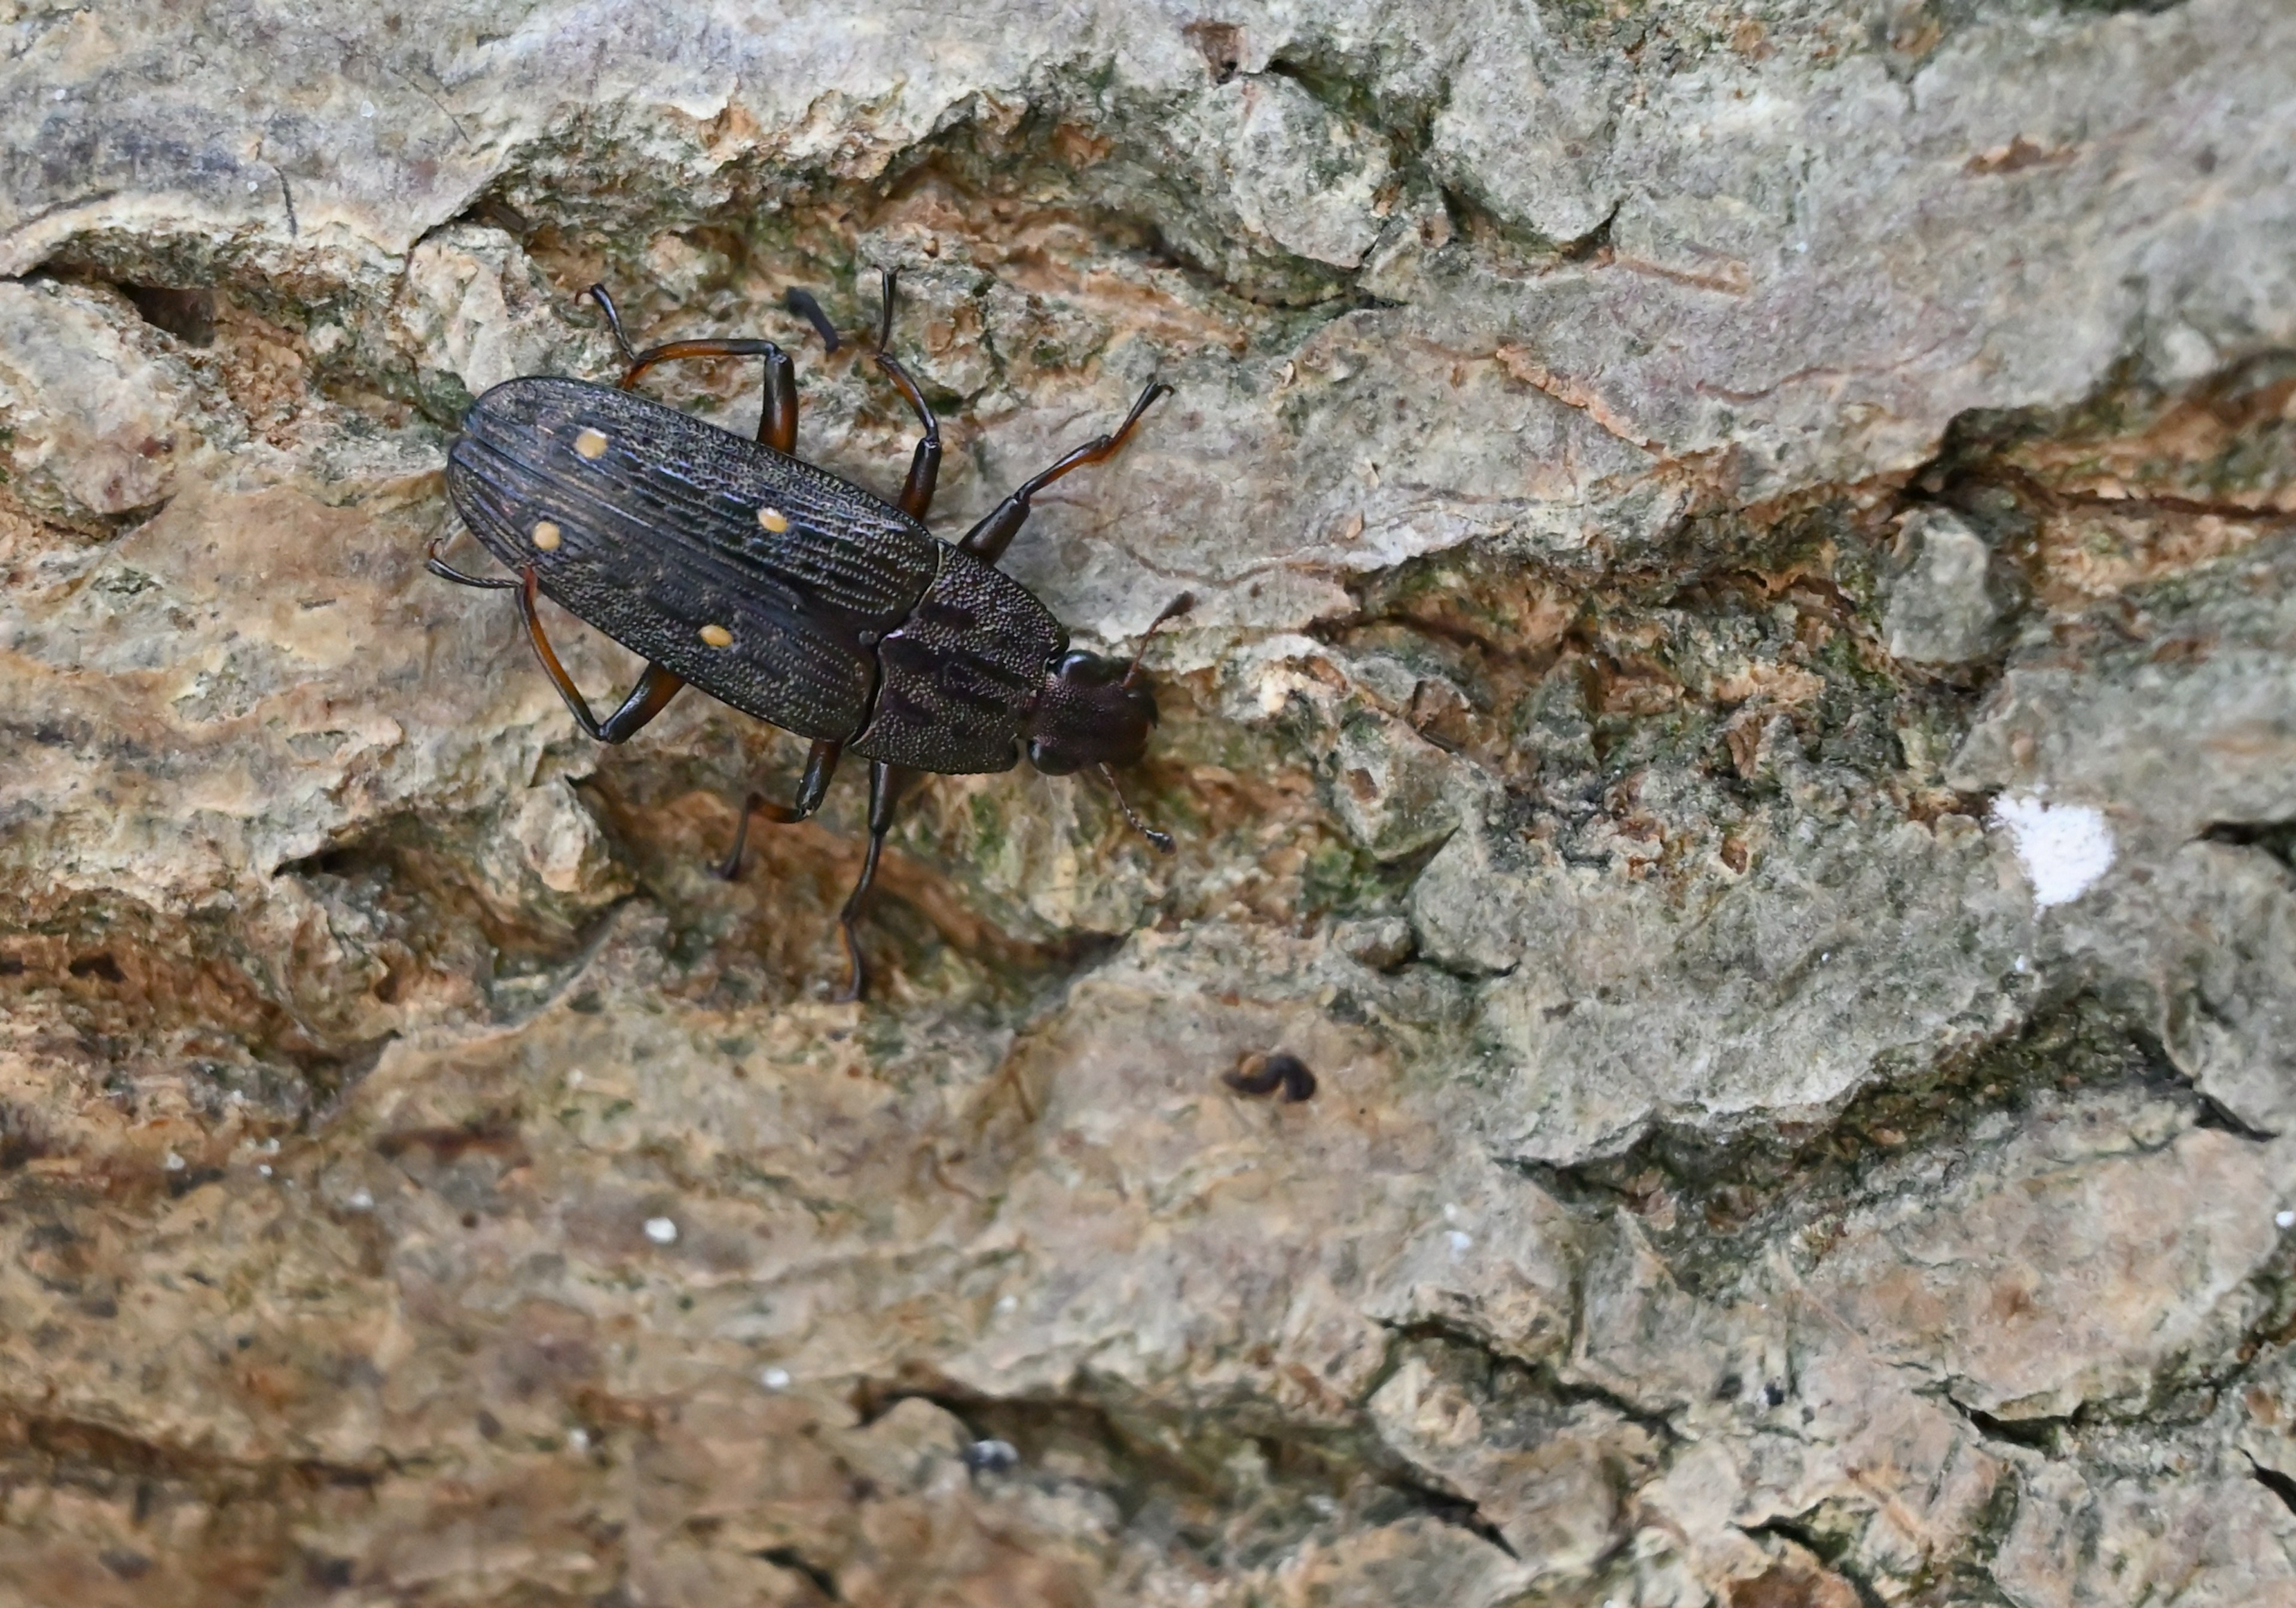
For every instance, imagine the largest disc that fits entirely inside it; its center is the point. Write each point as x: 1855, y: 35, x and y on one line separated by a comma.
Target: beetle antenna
x: 1178, y: 606
x: 1161, y: 839
x: 597, y: 293
x: 804, y: 306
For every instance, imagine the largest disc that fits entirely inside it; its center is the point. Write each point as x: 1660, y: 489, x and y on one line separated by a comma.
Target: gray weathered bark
x: 1742, y: 715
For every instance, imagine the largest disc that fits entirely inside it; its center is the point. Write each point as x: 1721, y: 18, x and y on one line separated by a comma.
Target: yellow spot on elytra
x: 773, y: 519
x: 717, y: 637
x: 591, y: 443
x: 546, y: 537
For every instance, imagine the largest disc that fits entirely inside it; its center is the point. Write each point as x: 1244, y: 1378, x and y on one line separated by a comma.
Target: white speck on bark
x: 2063, y: 848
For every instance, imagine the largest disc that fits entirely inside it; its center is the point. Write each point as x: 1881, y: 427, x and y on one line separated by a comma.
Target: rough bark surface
x: 1741, y: 716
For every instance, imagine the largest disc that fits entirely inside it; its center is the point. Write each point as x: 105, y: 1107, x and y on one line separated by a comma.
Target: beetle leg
x: 597, y: 293
x: 885, y: 784
x: 924, y: 464
x: 778, y: 419
x: 988, y: 540
x: 820, y: 765
x: 673, y: 351
x: 438, y: 566
x: 804, y: 306
x: 647, y: 699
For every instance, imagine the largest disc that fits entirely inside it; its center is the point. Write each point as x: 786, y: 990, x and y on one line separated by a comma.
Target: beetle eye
x: 1079, y: 668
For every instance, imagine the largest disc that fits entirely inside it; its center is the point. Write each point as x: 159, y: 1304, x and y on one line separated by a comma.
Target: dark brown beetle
x: 790, y: 593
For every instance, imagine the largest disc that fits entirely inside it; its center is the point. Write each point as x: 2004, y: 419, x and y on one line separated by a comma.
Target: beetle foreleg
x: 820, y: 766
x: 885, y: 784
x: 647, y: 699
x: 988, y: 540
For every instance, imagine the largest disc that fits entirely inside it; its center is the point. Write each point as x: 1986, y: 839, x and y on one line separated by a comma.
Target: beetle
x: 780, y: 589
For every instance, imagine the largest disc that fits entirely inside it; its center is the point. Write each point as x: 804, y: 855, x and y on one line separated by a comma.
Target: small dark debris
x: 1264, y: 1074
x: 489, y: 1426
x: 11, y: 966
x: 1774, y: 1393
x: 587, y: 1002
x: 21, y: 1139
x: 991, y: 1456
x: 329, y: 1574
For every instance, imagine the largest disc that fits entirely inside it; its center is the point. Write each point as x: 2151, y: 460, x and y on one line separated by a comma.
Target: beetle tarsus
x: 856, y: 969
x: 597, y: 293
x: 885, y: 784
x: 887, y: 279
x: 438, y: 566
x: 924, y: 464
x: 804, y: 306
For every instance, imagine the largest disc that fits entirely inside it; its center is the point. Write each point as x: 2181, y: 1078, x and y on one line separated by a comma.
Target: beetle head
x: 1091, y: 711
